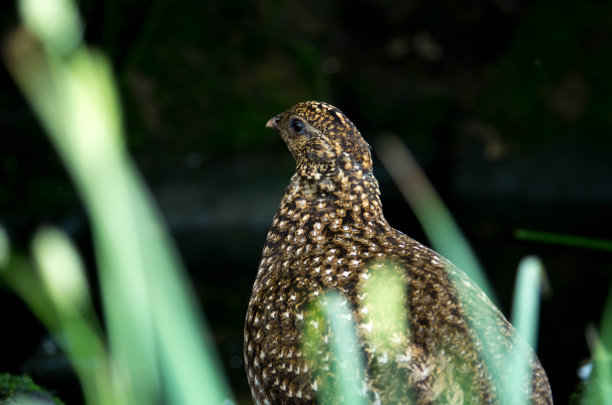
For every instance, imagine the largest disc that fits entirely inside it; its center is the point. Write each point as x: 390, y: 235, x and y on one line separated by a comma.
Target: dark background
x: 506, y: 104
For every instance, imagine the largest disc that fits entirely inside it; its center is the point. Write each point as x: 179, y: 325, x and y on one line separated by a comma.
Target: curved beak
x: 272, y: 123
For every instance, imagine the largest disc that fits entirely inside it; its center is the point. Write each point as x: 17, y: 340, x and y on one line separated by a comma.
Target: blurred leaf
x: 599, y: 387
x: 331, y: 347
x: 154, y: 327
x: 564, y: 239
x: 525, y: 315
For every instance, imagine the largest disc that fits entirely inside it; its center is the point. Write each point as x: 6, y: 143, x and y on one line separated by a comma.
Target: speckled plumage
x: 330, y: 233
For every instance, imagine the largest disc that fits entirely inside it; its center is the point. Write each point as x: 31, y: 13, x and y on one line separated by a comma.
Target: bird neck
x: 347, y: 192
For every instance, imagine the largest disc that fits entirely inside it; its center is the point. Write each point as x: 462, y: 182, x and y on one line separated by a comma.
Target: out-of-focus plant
x: 159, y: 349
x: 525, y: 314
x: 564, y: 239
x: 597, y: 374
x: 599, y: 381
x: 330, y: 334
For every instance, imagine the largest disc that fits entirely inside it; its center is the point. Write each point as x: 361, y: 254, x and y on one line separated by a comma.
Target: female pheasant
x: 330, y: 234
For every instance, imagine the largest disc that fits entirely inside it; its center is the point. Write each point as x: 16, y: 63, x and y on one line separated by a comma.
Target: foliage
x: 158, y: 347
x: 18, y: 388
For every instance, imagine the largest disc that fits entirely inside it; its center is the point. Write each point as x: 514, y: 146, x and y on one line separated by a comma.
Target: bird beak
x: 272, y: 123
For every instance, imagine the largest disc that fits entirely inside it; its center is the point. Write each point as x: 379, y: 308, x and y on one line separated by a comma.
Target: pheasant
x: 330, y: 234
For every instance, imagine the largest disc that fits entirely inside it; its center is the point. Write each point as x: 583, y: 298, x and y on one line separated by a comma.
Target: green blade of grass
x: 564, y: 239
x: 331, y: 348
x: 349, y: 368
x: 526, y: 302
x: 525, y: 314
x: 599, y: 386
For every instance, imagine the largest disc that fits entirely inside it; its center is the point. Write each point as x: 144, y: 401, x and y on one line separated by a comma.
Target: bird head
x: 321, y: 139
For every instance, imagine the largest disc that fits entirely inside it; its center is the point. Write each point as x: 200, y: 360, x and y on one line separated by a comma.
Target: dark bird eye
x: 296, y: 125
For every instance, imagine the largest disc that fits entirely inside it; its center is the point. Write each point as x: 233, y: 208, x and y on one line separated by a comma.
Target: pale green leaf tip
x: 60, y: 268
x: 55, y: 22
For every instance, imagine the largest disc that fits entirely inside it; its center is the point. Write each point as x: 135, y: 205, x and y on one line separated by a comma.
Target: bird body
x: 330, y: 234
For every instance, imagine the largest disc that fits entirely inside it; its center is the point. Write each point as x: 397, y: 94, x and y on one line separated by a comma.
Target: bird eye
x: 296, y: 125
